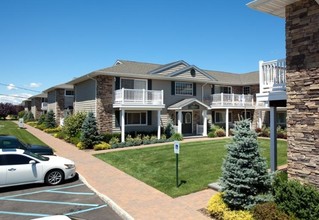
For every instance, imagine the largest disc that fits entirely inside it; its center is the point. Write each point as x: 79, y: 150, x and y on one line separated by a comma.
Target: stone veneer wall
x: 59, y: 98
x: 104, y: 107
x: 36, y: 107
x: 302, y: 45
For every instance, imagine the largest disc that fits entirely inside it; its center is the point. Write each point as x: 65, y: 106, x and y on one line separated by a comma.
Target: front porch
x: 189, y: 117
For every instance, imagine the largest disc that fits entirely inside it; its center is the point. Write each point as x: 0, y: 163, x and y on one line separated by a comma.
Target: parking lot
x: 72, y: 198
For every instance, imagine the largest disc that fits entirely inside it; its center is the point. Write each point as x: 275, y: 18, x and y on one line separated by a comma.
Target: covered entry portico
x: 190, y: 116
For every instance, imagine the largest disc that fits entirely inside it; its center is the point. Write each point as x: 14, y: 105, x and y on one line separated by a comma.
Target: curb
x: 118, y: 210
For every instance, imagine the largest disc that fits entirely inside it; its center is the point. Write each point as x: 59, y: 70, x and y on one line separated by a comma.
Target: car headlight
x: 69, y: 166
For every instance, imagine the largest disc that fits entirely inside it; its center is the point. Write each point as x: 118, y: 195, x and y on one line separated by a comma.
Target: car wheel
x: 54, y: 177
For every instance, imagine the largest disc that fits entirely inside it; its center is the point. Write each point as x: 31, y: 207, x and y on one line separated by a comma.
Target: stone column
x: 302, y: 84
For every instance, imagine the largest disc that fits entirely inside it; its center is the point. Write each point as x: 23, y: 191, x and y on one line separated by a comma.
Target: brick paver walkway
x: 124, y: 192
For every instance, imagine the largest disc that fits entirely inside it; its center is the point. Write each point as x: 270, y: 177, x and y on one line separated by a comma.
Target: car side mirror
x: 32, y: 162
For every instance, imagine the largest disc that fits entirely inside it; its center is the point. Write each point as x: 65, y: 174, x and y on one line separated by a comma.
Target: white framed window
x: 246, y: 90
x: 220, y: 117
x: 135, y: 118
x: 69, y: 93
x: 223, y: 89
x: 184, y: 88
x: 127, y: 83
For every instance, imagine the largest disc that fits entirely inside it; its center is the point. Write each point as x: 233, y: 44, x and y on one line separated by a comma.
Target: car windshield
x: 37, y: 156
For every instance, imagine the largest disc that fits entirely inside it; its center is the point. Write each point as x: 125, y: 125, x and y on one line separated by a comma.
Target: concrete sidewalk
x: 129, y: 197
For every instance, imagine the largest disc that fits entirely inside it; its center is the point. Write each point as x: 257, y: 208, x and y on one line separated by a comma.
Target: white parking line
x: 24, y: 214
x: 51, y: 202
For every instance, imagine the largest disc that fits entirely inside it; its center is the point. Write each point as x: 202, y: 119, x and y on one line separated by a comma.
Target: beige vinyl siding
x: 85, y: 106
x: 68, y: 101
x: 52, y: 106
x: 173, y: 69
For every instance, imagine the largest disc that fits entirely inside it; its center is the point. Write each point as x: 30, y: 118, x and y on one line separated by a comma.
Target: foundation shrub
x: 218, y: 210
x: 270, y: 211
x: 176, y: 137
x: 106, y: 137
x: 220, y: 132
x: 153, y: 139
x: 59, y: 135
x: 146, y: 139
x: 102, y: 146
x: 73, y: 124
x: 114, y: 142
x: 32, y: 123
x: 297, y: 199
x: 137, y: 140
x: 52, y: 130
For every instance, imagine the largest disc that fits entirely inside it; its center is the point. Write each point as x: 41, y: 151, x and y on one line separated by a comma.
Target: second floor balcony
x: 44, y: 106
x: 272, y: 75
x: 232, y: 100
x: 139, y: 98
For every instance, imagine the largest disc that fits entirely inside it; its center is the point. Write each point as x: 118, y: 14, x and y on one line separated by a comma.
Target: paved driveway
x: 71, y: 198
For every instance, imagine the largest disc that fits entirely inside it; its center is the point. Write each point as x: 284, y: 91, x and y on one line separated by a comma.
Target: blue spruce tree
x: 89, y: 132
x: 244, y: 178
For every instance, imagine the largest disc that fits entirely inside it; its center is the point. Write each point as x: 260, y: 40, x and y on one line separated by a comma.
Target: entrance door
x: 187, y: 123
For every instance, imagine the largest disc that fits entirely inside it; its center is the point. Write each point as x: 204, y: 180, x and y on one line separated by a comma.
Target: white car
x: 19, y: 167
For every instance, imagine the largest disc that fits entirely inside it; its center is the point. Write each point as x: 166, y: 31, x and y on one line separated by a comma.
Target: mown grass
x: 199, y: 164
x: 11, y: 128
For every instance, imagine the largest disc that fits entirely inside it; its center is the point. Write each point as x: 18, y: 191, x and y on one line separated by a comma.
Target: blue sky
x: 45, y: 43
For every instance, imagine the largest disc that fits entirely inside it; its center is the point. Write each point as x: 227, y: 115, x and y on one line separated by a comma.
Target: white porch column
x: 122, y: 125
x: 227, y: 122
x: 259, y: 125
x: 179, y: 123
x: 273, y: 139
x: 204, y: 113
x: 159, y: 124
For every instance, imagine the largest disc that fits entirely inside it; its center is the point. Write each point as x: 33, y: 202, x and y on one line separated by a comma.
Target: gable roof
x: 124, y: 68
x: 60, y: 86
x: 185, y: 102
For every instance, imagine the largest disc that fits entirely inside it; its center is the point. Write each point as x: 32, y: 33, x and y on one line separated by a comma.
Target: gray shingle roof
x: 149, y: 70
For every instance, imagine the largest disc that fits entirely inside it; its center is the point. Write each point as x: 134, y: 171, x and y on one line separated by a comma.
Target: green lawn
x: 11, y: 128
x: 199, y: 164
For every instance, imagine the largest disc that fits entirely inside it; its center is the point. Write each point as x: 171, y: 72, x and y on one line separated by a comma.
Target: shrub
x: 75, y: 140
x: 59, y: 135
x: 114, y: 142
x: 32, y: 123
x: 269, y: 211
x: 265, y: 131
x: 73, y: 123
x: 21, y: 114
x: 50, y: 120
x: 80, y: 145
x: 153, y: 139
x: 220, y: 132
x: 176, y: 137
x: 218, y: 209
x: 102, y: 146
x: 106, y: 137
x: 137, y: 140
x: 52, y: 130
x: 293, y: 197
x: 146, y: 139
x: 41, y: 126
x: 169, y: 129
x: 28, y: 116
x: 89, y: 132
x: 211, y: 134
x: 41, y: 119
x: 258, y: 131
x: 244, y: 177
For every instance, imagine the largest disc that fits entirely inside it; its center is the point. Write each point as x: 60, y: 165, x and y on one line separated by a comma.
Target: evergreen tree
x: 89, y: 132
x: 245, y: 179
x: 50, y: 119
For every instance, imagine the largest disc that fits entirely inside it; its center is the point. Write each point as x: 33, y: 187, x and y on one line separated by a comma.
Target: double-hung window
x: 223, y: 89
x: 246, y: 90
x: 220, y: 117
x: 184, y: 88
x: 135, y: 118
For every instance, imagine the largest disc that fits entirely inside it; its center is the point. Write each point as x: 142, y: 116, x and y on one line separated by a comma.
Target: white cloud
x: 35, y: 85
x: 15, y: 99
x: 11, y: 86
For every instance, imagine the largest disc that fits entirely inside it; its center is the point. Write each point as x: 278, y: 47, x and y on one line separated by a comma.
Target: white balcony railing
x: 272, y: 76
x: 229, y: 100
x: 138, y: 97
x: 44, y: 106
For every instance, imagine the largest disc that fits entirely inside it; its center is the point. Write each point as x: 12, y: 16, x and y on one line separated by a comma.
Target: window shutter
x: 149, y: 117
x: 213, y: 89
x: 173, y: 88
x: 149, y: 84
x: 117, y: 83
x: 194, y: 89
